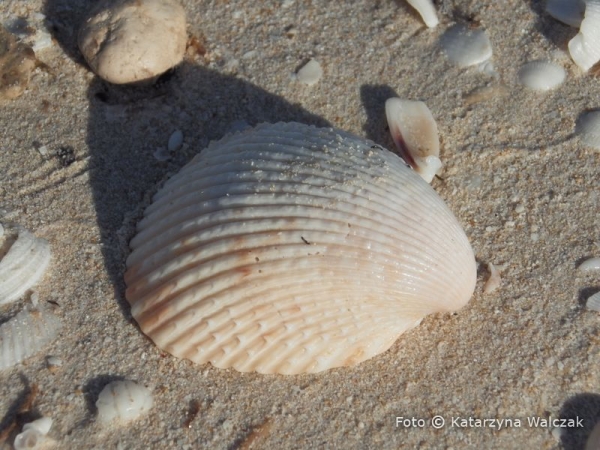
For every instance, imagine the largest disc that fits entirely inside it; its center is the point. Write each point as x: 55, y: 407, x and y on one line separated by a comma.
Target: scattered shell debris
x: 255, y: 274
x: 127, y: 41
x: 585, y: 46
x: 124, y: 401
x: 26, y: 334
x: 415, y: 133
x: 33, y: 435
x: 53, y: 363
x: 426, y: 10
x: 588, y: 129
x: 466, y: 47
x: 494, y: 280
x: 541, y: 75
x: 569, y: 12
x: 589, y: 265
x: 17, y: 61
x: 175, y: 141
x: 23, y: 266
x: 310, y: 73
x: 593, y: 303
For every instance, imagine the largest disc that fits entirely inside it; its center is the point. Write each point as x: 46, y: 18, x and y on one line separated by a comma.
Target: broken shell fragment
x: 541, y: 75
x: 426, y: 10
x: 584, y: 48
x: 494, y: 280
x: 123, y: 400
x: 466, y: 47
x: 25, y: 335
x: 33, y: 435
x: 292, y: 249
x: 23, y: 266
x: 126, y: 41
x: 415, y: 134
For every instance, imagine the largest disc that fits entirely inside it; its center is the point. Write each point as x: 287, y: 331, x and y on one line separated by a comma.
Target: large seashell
x: 26, y: 334
x: 23, y: 266
x: 290, y: 249
x: 585, y: 46
x: 123, y: 400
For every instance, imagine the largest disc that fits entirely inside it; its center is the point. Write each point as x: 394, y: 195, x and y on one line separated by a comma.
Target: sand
x: 524, y: 187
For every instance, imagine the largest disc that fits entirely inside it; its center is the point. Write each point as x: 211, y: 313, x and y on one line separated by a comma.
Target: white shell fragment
x: 541, y: 75
x: 593, y: 303
x: 494, y: 280
x: 426, y: 10
x: 175, y: 141
x: 585, y: 46
x: 310, y: 73
x: 292, y: 249
x: 123, y: 400
x: 588, y: 129
x: 25, y: 335
x: 23, y: 266
x: 466, y: 47
x: 126, y: 41
x: 415, y: 133
x: 569, y: 12
x: 33, y: 435
x: 589, y: 265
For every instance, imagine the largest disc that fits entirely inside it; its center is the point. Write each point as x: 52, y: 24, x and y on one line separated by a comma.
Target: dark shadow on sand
x: 585, y: 407
x: 127, y: 124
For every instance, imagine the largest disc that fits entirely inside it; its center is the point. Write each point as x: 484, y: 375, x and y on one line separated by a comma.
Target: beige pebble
x: 126, y: 41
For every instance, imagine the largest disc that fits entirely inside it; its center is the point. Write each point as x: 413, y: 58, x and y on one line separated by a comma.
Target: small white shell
x: 589, y: 265
x: 541, y: 75
x: 465, y: 47
x: 415, y: 133
x: 26, y: 334
x: 494, y: 280
x: 175, y: 141
x: 593, y: 303
x: 291, y: 249
x: 33, y: 435
x: 567, y: 11
x: 23, y: 266
x: 426, y: 10
x: 123, y: 400
x: 310, y: 73
x: 585, y: 46
x: 588, y: 129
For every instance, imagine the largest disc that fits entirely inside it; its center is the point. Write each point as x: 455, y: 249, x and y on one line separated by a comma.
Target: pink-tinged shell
x: 291, y: 249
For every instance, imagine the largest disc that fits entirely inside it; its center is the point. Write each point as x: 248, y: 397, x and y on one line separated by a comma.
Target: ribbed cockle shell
x: 291, y: 249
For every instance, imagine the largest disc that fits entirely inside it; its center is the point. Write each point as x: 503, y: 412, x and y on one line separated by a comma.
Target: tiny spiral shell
x: 123, y: 400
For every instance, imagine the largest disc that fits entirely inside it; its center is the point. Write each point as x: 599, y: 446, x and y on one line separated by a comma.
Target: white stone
x: 126, y: 41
